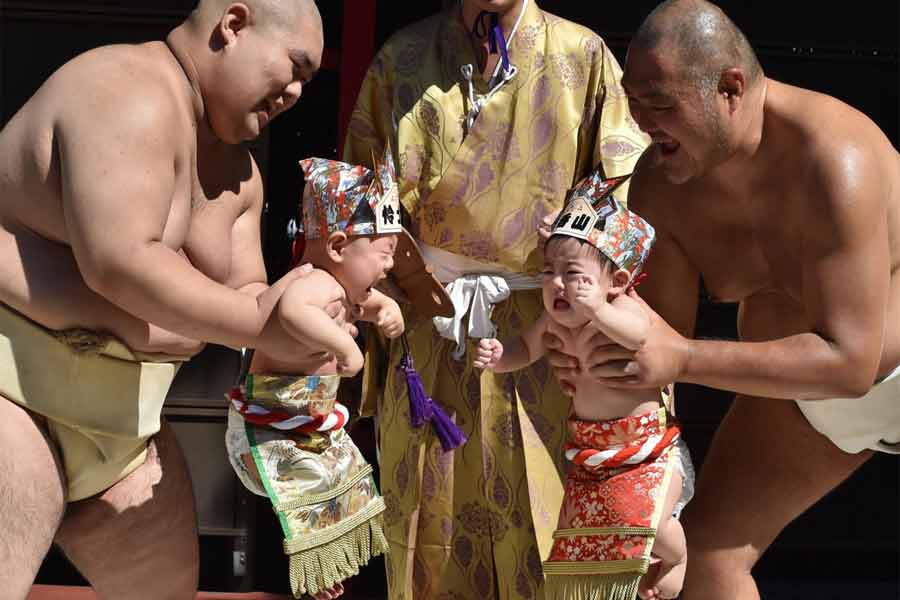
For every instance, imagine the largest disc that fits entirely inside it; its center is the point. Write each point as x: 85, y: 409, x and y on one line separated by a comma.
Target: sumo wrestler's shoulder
x: 119, y: 84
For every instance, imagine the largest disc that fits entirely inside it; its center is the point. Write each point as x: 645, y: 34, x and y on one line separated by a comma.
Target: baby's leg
x: 564, y: 521
x: 664, y: 580
x: 671, y: 549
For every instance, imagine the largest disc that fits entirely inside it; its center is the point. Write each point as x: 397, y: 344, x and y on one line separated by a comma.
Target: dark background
x: 847, y: 545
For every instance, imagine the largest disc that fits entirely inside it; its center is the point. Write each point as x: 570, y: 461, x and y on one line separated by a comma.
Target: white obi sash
x: 474, y: 289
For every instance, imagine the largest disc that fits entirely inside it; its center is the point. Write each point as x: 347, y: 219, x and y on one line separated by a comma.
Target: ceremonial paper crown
x: 348, y: 198
x: 592, y: 214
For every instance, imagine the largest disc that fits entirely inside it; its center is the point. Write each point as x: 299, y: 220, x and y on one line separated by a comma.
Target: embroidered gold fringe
x: 623, y: 586
x: 315, y: 569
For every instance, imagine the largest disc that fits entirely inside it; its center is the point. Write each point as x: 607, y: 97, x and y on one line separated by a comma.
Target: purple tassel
x: 423, y: 409
x: 419, y: 404
x: 446, y: 430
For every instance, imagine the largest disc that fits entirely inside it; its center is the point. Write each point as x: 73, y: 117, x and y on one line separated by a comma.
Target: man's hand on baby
x: 389, y: 320
x: 565, y: 365
x: 586, y: 296
x: 661, y: 359
x: 488, y: 353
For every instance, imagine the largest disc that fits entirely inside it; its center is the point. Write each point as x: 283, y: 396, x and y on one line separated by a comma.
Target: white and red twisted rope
x: 650, y: 449
x: 282, y: 420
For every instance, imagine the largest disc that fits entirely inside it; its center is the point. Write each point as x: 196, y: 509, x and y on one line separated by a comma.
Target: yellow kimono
x: 477, y: 522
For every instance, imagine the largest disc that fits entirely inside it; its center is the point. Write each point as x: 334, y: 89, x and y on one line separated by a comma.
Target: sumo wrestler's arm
x: 845, y: 276
x: 248, y: 271
x: 842, y: 247
x: 118, y: 163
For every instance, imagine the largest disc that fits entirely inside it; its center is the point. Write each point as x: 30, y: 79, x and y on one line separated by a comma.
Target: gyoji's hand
x: 586, y: 295
x: 545, y: 228
x: 488, y: 353
x: 389, y: 319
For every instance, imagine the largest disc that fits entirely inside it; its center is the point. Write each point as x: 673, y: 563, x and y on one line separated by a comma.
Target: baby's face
x: 367, y: 260
x: 565, y: 259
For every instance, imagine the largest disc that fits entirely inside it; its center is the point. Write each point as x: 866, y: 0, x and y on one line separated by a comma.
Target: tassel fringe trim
x: 623, y: 586
x: 315, y: 569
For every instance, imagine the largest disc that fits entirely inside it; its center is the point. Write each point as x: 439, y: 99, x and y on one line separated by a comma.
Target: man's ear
x: 732, y: 86
x: 234, y: 20
x: 620, y: 280
x: 335, y: 245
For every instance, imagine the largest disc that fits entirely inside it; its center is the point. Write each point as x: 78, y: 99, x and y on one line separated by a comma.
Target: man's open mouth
x: 668, y: 148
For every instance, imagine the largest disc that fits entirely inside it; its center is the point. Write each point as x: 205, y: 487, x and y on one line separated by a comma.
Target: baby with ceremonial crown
x: 286, y: 437
x: 629, y: 472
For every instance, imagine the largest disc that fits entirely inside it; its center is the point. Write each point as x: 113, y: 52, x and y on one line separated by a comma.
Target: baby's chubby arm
x: 621, y: 319
x: 301, y: 310
x: 517, y: 353
x: 384, y: 312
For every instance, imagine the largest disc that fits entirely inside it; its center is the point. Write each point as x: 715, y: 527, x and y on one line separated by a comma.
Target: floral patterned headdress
x: 361, y: 201
x: 350, y: 198
x: 592, y: 214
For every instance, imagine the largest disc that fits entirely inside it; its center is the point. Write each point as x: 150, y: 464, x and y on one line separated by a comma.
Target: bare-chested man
x: 787, y: 201
x: 130, y: 208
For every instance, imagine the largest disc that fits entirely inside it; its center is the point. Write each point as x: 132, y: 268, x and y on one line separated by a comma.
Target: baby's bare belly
x: 593, y: 402
x: 313, y: 363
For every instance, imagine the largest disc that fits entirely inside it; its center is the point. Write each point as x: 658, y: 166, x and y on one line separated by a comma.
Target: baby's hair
x: 586, y: 246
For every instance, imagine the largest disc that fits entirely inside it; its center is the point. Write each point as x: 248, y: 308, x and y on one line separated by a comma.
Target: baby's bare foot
x: 329, y: 594
x: 663, y: 581
x: 645, y: 587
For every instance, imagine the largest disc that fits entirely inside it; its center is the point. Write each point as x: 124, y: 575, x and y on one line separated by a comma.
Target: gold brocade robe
x: 476, y: 523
